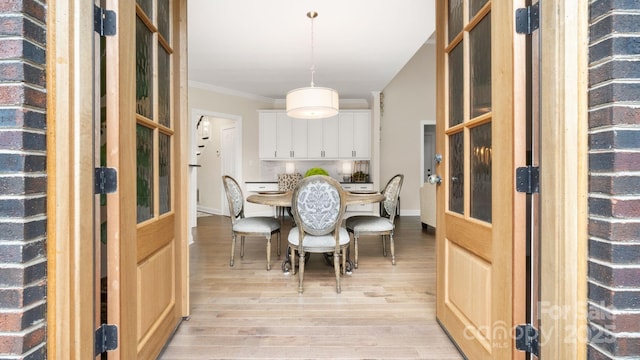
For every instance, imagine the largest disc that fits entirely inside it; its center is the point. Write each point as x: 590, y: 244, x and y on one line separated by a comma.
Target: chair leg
x: 279, y: 244
x: 301, y: 270
x: 241, y: 247
x: 384, y: 246
x: 268, y: 252
x: 343, y: 256
x: 292, y: 258
x: 355, y: 248
x: 336, y: 266
x: 393, y: 252
x: 233, y: 249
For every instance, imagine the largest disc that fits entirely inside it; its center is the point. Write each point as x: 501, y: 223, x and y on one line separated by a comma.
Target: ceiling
x: 262, y: 48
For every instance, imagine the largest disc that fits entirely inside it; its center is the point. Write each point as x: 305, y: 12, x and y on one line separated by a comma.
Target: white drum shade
x: 312, y: 103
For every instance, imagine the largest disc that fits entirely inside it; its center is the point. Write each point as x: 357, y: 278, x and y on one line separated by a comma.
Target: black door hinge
x: 104, y: 21
x: 106, y: 338
x: 528, y: 179
x: 105, y: 180
x: 527, y: 339
x: 528, y: 19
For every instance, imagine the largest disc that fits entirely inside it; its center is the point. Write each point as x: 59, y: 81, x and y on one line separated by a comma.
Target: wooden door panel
x: 474, y: 237
x: 468, y: 274
x: 147, y: 216
x: 156, y: 293
x: 154, y: 236
x: 477, y: 134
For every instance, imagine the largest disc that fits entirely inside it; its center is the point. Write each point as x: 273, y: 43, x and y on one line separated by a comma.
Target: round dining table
x: 283, y: 199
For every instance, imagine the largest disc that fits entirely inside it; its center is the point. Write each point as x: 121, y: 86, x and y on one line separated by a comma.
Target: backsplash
x: 269, y: 170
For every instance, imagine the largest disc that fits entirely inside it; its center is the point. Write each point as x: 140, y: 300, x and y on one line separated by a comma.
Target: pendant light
x: 312, y: 102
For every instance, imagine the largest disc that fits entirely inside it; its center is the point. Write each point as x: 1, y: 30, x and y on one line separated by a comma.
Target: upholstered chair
x: 318, y: 207
x: 256, y: 226
x: 382, y: 225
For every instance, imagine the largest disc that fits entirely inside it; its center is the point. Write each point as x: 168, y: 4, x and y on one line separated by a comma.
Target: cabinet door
x: 283, y: 144
x: 362, y: 135
x: 299, y: 138
x: 345, y: 136
x: 330, y: 138
x: 323, y: 138
x: 315, y: 138
x: 267, y: 129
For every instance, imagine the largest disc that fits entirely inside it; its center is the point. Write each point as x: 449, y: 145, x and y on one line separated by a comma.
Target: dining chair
x: 382, y: 225
x: 318, y: 205
x: 247, y: 226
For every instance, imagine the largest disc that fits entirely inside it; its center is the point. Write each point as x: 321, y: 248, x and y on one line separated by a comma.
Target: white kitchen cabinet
x: 360, y: 208
x: 291, y: 135
x: 281, y: 137
x: 355, y: 134
x: 267, y: 126
x: 323, y: 138
x: 345, y: 136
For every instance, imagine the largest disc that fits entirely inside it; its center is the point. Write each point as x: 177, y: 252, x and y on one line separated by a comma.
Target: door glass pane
x: 475, y: 6
x: 147, y: 7
x: 480, y: 65
x: 456, y: 86
x: 455, y: 18
x: 456, y: 172
x: 164, y: 144
x: 163, y: 19
x: 164, y: 87
x: 481, y: 172
x: 144, y: 196
x: 144, y: 70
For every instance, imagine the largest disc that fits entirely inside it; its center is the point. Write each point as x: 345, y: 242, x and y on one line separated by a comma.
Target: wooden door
x: 480, y: 216
x: 147, y: 215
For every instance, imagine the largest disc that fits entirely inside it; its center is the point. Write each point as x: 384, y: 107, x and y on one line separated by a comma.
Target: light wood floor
x: 246, y: 312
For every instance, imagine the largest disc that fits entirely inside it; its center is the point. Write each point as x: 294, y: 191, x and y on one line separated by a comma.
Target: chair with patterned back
x: 247, y: 226
x: 318, y: 207
x: 378, y: 225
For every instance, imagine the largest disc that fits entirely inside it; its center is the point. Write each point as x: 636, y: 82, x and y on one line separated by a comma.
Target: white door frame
x: 223, y: 154
x: 193, y: 146
x: 422, y: 124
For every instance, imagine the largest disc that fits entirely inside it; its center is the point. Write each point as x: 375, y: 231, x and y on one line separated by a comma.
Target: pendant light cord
x: 312, y: 15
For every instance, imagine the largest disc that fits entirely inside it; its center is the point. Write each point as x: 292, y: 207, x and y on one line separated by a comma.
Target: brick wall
x: 614, y: 180
x: 23, y: 262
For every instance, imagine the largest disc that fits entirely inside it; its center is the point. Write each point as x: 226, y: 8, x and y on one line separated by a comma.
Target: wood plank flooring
x: 247, y: 312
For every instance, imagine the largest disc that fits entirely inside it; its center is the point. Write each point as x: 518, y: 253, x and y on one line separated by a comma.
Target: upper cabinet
x: 267, y: 130
x: 346, y: 136
x: 323, y: 138
x: 355, y: 134
x: 291, y: 135
x: 281, y: 137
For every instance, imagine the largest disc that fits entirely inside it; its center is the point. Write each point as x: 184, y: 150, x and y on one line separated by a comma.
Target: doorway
x: 218, y: 150
x: 428, y: 147
x: 427, y: 168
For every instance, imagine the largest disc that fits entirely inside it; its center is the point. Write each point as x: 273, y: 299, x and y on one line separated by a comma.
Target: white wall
x: 408, y: 99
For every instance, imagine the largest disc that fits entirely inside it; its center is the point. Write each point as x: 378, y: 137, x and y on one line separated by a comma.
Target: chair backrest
x: 288, y: 182
x: 318, y: 205
x: 234, y: 197
x: 391, y: 192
